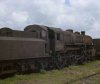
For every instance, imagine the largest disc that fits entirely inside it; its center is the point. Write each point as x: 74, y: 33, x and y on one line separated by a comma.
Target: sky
x: 78, y: 15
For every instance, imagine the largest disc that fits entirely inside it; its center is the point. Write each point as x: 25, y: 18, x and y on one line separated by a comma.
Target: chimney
x: 82, y: 32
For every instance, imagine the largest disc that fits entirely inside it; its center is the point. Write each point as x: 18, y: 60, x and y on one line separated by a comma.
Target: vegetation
x: 63, y: 76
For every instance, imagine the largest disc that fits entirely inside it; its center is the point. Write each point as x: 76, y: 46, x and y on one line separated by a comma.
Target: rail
x: 85, y: 77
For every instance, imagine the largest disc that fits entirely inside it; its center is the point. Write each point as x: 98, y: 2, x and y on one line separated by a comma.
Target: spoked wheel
x: 80, y: 60
x: 74, y: 60
x: 42, y: 66
x: 21, y: 68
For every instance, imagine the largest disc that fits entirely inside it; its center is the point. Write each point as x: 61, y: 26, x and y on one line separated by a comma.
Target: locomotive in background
x: 97, y: 48
x: 41, y: 47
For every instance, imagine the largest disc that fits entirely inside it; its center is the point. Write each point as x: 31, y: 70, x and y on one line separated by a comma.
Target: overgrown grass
x: 59, y: 76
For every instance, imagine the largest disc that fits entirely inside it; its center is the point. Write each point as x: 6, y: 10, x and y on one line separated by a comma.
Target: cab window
x: 43, y: 34
x: 58, y: 36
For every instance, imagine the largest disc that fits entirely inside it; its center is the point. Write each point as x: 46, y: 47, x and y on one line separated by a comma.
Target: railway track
x: 82, y: 78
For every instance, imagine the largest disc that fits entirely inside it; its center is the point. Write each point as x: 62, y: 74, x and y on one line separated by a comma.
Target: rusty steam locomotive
x: 41, y: 47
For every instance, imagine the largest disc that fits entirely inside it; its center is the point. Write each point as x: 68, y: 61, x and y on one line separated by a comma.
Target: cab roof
x: 36, y: 26
x: 56, y: 29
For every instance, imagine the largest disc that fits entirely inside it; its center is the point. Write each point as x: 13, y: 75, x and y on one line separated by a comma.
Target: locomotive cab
x: 56, y: 39
x: 56, y: 46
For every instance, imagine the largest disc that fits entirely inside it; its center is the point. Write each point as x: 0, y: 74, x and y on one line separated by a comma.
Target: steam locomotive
x: 42, y: 47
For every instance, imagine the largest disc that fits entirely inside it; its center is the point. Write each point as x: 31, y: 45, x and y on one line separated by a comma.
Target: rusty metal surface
x: 56, y: 44
x: 39, y: 30
x: 87, y: 40
x: 16, y: 33
x: 21, y: 48
x: 68, y: 37
x: 56, y: 29
x: 77, y: 38
x: 96, y: 43
x: 31, y: 27
x: 72, y: 38
x: 5, y: 31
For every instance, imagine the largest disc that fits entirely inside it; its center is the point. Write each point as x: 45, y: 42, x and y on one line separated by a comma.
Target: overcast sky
x: 66, y: 14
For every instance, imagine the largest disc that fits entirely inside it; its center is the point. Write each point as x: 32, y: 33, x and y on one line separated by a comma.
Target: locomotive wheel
x: 41, y: 65
x: 65, y: 62
x: 22, y: 68
x: 80, y: 60
x: 7, y: 69
x: 74, y: 60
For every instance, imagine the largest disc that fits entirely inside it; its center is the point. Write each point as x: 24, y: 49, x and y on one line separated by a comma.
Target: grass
x: 59, y: 76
